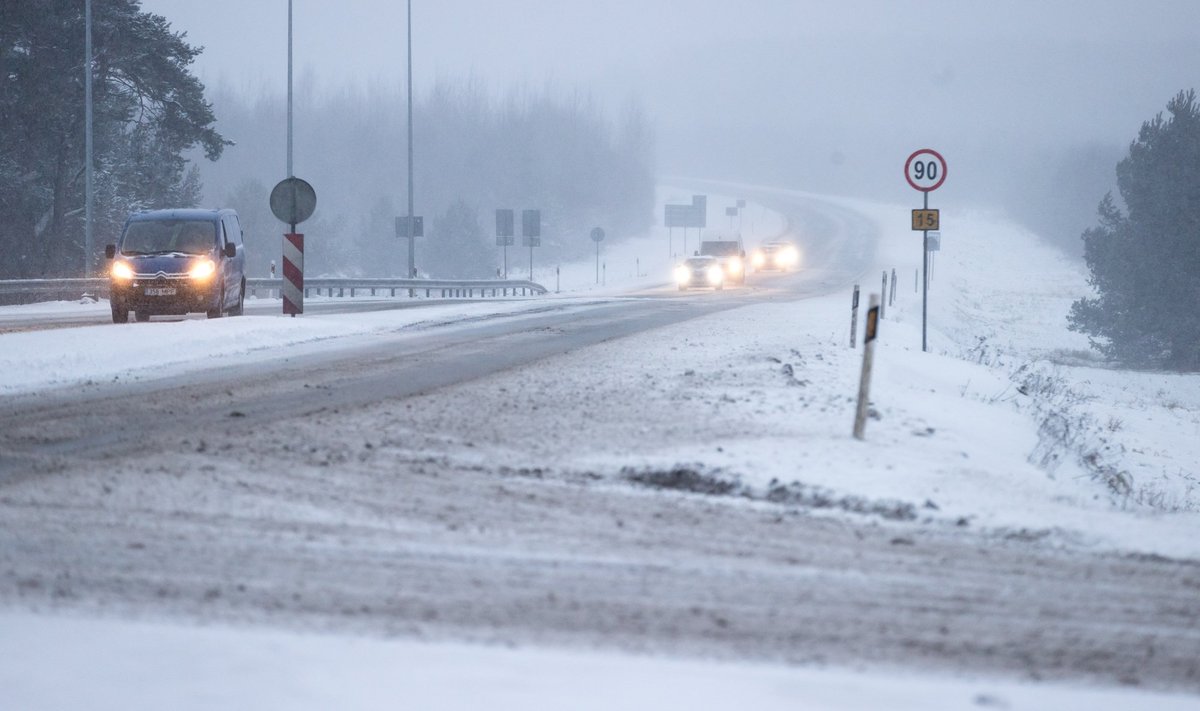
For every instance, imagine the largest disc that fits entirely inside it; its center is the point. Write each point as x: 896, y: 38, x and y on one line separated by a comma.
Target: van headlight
x: 682, y: 274
x: 735, y: 266
x: 715, y: 274
x: 203, y: 269
x: 757, y: 259
x: 121, y: 271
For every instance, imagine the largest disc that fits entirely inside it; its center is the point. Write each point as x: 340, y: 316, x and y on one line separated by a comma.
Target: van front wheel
x: 220, y: 310
x: 241, y: 304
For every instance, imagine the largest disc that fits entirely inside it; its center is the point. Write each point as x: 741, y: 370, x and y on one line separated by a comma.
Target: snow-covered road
x: 646, y: 473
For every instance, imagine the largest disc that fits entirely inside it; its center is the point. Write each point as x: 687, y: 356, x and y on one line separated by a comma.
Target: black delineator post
x: 864, y: 382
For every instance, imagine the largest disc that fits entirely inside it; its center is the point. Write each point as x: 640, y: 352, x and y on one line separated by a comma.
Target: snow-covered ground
x: 121, y: 666
x: 1007, y: 425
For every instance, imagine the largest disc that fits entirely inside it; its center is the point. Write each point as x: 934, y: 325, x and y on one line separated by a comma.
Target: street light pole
x: 412, y: 239
x: 289, y: 126
x: 89, y: 192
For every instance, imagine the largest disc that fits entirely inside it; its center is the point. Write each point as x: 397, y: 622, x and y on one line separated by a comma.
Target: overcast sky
x: 752, y: 86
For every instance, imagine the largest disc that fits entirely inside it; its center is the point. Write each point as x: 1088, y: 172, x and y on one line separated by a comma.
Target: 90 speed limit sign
x: 925, y: 170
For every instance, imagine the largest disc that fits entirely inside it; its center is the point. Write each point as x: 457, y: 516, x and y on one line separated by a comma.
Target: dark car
x: 178, y: 262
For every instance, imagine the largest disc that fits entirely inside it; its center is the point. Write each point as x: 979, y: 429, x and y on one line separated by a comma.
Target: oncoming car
x: 178, y: 262
x: 779, y: 255
x: 729, y: 254
x: 700, y: 271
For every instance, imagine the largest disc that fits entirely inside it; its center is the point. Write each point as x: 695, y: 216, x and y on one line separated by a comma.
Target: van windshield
x: 727, y: 248
x: 169, y: 236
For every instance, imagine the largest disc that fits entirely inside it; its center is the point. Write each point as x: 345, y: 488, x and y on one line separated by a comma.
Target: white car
x: 778, y: 255
x: 700, y: 272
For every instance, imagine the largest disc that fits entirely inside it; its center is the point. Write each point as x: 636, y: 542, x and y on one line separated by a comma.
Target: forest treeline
x: 474, y: 151
x: 163, y: 140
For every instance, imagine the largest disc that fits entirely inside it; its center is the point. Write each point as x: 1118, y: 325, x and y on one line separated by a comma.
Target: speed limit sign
x: 925, y: 170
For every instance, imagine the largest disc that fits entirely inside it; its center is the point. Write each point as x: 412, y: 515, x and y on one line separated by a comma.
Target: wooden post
x: 864, y: 383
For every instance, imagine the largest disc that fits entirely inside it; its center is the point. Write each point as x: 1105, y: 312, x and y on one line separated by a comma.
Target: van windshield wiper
x: 156, y: 253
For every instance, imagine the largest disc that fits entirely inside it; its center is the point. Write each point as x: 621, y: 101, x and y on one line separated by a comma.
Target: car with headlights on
x: 775, y: 255
x: 701, y: 271
x: 729, y: 254
x: 178, y: 262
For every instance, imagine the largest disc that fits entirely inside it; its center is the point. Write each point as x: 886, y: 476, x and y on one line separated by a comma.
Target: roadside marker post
x: 854, y: 317
x: 293, y: 274
x: 885, y: 291
x: 864, y: 382
x: 293, y: 201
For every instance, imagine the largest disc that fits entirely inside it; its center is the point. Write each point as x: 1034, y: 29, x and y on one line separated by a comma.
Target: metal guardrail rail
x: 14, y: 291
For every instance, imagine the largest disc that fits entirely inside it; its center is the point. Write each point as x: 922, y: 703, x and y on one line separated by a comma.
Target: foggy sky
x: 820, y: 94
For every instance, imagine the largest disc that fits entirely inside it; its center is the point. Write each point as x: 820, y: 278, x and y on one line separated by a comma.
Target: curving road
x: 400, y: 488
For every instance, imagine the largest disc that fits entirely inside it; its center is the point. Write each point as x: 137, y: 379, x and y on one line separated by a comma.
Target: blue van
x: 178, y: 262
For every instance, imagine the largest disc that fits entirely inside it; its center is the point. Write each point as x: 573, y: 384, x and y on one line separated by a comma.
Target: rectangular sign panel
x: 504, y: 224
x: 678, y: 215
x: 934, y: 242
x: 531, y: 224
x: 731, y: 212
x: 700, y: 205
x: 410, y: 227
x: 505, y: 240
x: 923, y: 220
x: 531, y: 241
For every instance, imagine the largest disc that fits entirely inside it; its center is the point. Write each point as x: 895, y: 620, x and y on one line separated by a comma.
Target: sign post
x: 504, y: 234
x: 293, y: 201
x: 597, y: 237
x: 531, y: 233
x: 925, y: 170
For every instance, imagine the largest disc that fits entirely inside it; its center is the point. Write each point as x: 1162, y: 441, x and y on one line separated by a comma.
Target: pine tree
x: 148, y: 110
x: 1144, y: 263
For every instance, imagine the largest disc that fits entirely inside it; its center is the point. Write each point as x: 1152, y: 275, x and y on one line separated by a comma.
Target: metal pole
x: 924, y: 282
x: 290, y: 173
x: 506, y: 258
x: 531, y: 261
x: 597, y: 262
x: 89, y: 194
x: 412, y: 240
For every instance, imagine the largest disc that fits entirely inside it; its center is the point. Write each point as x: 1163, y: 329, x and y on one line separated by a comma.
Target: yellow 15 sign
x: 924, y: 220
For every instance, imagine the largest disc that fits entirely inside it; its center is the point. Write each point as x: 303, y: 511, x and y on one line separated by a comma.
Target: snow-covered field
x: 1008, y: 425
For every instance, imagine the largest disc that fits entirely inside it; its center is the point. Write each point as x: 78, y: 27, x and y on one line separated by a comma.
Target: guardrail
x: 23, y: 291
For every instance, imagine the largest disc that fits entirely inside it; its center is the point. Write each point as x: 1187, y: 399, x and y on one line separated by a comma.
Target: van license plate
x: 162, y: 291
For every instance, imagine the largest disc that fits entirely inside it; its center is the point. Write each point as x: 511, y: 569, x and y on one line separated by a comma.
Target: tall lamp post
x: 412, y: 239
x: 290, y: 174
x: 89, y: 196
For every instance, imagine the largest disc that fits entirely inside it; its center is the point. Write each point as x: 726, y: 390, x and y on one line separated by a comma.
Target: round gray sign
x: 597, y: 235
x: 293, y: 201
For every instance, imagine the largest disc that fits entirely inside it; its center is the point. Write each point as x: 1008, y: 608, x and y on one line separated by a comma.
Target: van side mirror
x: 230, y: 250
x: 110, y: 251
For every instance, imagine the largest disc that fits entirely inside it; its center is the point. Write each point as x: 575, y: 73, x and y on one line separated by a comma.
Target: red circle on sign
x: 908, y: 164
